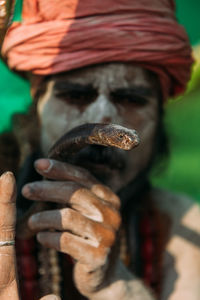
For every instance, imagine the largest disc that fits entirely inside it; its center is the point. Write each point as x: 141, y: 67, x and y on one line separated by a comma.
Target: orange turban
x: 62, y: 35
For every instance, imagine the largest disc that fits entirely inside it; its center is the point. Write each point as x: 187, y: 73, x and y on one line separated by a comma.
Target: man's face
x: 112, y: 93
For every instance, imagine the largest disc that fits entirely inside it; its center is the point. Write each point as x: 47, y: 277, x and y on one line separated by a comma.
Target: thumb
x: 8, y: 274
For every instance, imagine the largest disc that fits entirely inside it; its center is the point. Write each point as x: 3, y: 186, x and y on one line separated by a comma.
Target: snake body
x: 109, y: 135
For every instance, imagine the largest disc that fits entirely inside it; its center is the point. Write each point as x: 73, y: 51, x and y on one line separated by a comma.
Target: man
x: 100, y: 63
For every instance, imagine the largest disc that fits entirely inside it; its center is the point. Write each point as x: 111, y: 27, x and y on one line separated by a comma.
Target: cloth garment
x: 59, y: 36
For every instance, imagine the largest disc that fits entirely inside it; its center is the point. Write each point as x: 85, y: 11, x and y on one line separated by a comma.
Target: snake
x: 108, y: 135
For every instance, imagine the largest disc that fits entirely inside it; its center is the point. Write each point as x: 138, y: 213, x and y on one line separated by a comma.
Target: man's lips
x: 99, y: 158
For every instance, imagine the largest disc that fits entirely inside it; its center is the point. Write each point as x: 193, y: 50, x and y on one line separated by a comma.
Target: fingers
x: 64, y: 193
x: 107, y: 194
x: 65, y: 173
x: 72, y: 221
x: 50, y: 191
x: 95, y: 208
x: 80, y: 249
x: 80, y: 199
x: 53, y: 169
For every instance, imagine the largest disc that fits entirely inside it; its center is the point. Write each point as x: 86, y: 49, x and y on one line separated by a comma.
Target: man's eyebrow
x: 141, y: 91
x: 63, y: 86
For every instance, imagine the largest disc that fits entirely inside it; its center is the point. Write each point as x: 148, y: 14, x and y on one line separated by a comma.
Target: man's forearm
x: 124, y: 286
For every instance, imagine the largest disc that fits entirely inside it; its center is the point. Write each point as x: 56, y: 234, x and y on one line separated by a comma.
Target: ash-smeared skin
x: 91, y: 210
x: 8, y: 268
x: 109, y: 135
x: 76, y: 139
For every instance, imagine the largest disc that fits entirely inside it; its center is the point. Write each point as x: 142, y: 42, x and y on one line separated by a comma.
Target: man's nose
x: 102, y: 110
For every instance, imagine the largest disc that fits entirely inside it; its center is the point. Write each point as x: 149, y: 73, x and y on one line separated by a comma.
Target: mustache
x: 112, y: 157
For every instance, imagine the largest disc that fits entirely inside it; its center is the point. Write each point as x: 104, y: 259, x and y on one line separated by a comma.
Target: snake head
x: 114, y: 135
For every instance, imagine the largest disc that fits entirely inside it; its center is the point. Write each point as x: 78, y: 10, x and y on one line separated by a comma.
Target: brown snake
x: 109, y: 135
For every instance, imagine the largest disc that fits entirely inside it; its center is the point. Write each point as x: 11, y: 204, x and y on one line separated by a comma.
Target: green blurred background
x: 182, y: 114
x: 182, y: 119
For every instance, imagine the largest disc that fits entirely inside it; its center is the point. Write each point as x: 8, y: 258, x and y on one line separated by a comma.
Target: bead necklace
x: 27, y: 269
x: 36, y: 282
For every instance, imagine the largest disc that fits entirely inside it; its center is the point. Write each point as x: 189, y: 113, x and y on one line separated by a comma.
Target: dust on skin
x: 182, y: 212
x: 59, y: 114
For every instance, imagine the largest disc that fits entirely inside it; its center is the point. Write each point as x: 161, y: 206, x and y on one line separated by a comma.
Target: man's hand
x: 8, y: 275
x: 87, y: 219
x: 8, y: 271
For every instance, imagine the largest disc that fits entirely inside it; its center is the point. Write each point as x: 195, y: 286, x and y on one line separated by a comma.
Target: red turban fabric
x: 63, y: 35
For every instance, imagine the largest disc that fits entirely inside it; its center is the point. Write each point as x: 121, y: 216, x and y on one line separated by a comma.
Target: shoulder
x: 182, y: 250
x: 181, y: 208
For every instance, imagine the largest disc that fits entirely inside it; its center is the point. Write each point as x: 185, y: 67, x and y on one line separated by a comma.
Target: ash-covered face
x: 112, y: 93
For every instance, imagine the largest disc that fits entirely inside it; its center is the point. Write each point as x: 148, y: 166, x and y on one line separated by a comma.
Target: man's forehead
x: 113, y: 75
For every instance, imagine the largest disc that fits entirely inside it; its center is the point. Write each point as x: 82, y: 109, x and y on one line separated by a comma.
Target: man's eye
x: 76, y: 96
x: 128, y: 98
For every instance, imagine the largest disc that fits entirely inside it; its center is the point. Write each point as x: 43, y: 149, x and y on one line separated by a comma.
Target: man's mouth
x: 100, y: 159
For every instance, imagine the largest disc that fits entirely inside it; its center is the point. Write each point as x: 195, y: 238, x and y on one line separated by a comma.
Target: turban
x: 62, y: 35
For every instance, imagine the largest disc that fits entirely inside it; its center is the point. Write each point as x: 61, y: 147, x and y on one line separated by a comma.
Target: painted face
x: 111, y: 93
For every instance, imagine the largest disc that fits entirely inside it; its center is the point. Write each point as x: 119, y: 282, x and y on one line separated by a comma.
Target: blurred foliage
x: 15, y: 96
x: 188, y: 15
x: 183, y: 126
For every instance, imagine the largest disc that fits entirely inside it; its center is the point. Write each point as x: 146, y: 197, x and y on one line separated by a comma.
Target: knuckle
x: 67, y: 215
x: 101, y: 255
x: 109, y: 238
x: 107, y: 194
x: 66, y: 242
x: 113, y: 218
x: 116, y: 201
x: 112, y: 237
x: 82, y: 193
x: 100, y: 190
x: 118, y: 220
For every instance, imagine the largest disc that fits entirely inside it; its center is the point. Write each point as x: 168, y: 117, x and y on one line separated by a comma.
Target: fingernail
x: 26, y: 190
x: 7, y: 177
x: 43, y: 165
x: 33, y: 218
x: 39, y: 237
x: 31, y: 221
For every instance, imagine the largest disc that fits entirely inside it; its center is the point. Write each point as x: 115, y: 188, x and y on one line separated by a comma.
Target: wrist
x: 123, y: 285
x: 116, y: 287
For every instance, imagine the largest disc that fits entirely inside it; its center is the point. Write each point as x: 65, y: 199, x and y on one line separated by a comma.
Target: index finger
x: 7, y: 207
x: 53, y: 169
x: 8, y: 275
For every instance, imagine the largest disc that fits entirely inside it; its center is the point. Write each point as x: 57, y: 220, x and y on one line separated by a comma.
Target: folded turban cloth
x: 62, y: 35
